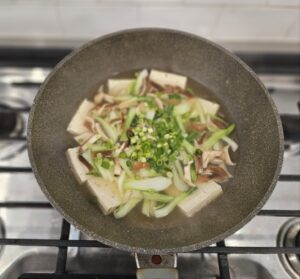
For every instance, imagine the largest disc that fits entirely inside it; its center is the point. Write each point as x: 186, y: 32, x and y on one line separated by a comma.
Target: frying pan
x: 244, y: 98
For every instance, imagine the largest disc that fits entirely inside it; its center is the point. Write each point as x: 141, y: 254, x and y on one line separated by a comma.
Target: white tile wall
x: 29, y: 21
x: 90, y: 22
x: 199, y: 20
x: 230, y: 20
x: 251, y: 23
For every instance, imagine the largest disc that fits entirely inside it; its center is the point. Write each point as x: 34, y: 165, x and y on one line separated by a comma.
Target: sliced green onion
x: 166, y: 210
x: 146, y: 208
x: 139, y: 81
x: 180, y: 123
x: 153, y: 196
x: 131, y: 114
x: 108, y: 129
x: 234, y: 146
x: 125, y: 208
x: 123, y: 163
x: 158, y: 183
x: 188, y: 147
x: 87, y: 156
x: 181, y: 109
x: 100, y: 147
x: 216, y: 136
x: 178, y: 182
x: 150, y: 114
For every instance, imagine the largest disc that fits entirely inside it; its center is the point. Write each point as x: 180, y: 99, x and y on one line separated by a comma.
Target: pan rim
x: 126, y: 247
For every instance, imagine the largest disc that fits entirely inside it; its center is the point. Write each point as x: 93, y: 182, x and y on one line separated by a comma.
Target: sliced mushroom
x: 198, y: 165
x: 196, y: 126
x: 202, y: 179
x: 226, y: 157
x: 89, y: 123
x: 208, y: 156
x: 216, y: 173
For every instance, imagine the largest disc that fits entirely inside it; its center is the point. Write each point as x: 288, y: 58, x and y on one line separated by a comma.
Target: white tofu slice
x: 208, y: 106
x: 83, y: 138
x: 106, y: 193
x: 76, y: 126
x: 204, y: 195
x: 118, y: 86
x: 92, y: 140
x: 164, y: 78
x: 78, y: 168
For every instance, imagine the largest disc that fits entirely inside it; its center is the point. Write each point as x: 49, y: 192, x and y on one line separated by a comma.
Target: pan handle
x: 156, y: 266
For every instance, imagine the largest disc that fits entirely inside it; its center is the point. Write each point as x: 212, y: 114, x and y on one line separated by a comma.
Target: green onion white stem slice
x: 106, y: 174
x: 146, y: 207
x: 234, y: 146
x: 125, y: 167
x: 87, y: 156
x: 216, y: 136
x: 153, y: 196
x: 166, y: 210
x: 188, y: 147
x: 99, y: 147
x: 130, y: 116
x: 180, y: 123
x: 181, y: 109
x: 109, y: 130
x: 158, y: 183
x: 150, y: 114
x: 178, y: 182
x: 139, y: 81
x: 125, y: 208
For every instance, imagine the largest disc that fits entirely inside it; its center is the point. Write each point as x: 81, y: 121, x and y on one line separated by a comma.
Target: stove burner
x: 12, y: 124
x: 2, y: 234
x: 289, y: 236
x: 8, y: 120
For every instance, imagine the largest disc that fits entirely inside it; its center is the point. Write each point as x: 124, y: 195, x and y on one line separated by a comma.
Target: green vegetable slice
x: 153, y: 196
x: 167, y: 209
x: 216, y: 136
x: 125, y: 208
x: 108, y: 129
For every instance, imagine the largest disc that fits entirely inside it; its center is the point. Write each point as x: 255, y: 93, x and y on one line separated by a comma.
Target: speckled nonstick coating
x: 259, y: 134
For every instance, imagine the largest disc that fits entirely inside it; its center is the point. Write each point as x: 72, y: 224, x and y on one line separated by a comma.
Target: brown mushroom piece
x: 216, y: 173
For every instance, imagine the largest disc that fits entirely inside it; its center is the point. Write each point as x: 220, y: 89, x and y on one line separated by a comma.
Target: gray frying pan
x: 244, y: 98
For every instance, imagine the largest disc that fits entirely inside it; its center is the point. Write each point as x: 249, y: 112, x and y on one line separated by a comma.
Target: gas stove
x: 35, y: 242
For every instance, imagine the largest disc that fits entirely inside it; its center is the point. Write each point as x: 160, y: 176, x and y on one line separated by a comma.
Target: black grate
x: 29, y: 57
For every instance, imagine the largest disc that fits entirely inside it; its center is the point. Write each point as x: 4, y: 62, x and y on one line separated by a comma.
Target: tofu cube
x: 118, y: 86
x: 76, y: 126
x: 164, y: 78
x: 83, y: 138
x: 208, y: 106
x: 106, y: 193
x: 200, y: 198
x: 78, y: 168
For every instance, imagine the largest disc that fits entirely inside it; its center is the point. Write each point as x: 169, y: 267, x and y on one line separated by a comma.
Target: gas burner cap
x: 2, y: 234
x: 289, y: 236
x: 12, y: 125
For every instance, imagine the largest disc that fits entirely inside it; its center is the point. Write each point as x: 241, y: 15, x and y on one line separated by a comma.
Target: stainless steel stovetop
x: 37, y: 220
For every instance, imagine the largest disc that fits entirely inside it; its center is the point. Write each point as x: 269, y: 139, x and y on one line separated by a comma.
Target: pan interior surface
x: 244, y: 99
